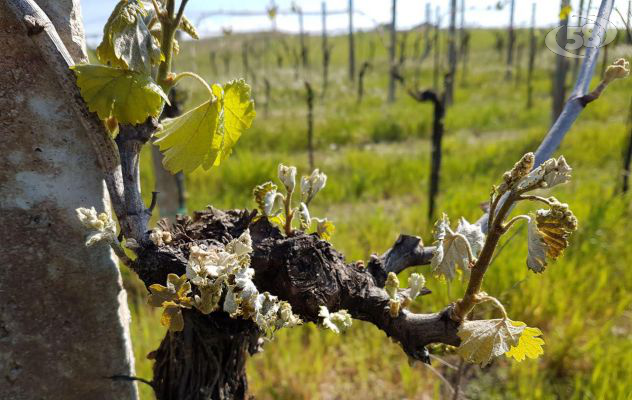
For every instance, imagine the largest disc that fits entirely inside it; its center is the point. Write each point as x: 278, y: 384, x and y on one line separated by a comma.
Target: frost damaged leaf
x: 304, y: 217
x: 102, y: 227
x: 529, y: 344
x: 451, y: 250
x: 206, y: 135
x: 338, y: 321
x: 536, y: 248
x: 172, y: 317
x: 550, y: 173
x: 261, y: 191
x: 128, y: 96
x: 416, y: 284
x: 127, y: 42
x: 172, y: 298
x: 484, y: 340
x: 208, y: 300
x: 474, y: 236
x: 549, y: 231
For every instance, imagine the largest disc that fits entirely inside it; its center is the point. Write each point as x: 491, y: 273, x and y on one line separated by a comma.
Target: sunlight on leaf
x: 187, y: 141
x: 239, y: 112
x: 206, y: 134
x: 529, y: 344
x: 128, y: 96
x: 484, y: 340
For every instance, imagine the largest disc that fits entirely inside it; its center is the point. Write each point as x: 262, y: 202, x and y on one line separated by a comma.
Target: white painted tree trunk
x: 64, y: 321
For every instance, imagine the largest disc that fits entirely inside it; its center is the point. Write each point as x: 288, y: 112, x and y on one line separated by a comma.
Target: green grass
x: 377, y: 159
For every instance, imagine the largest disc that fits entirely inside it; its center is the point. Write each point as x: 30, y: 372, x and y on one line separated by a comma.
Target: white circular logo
x: 596, y: 32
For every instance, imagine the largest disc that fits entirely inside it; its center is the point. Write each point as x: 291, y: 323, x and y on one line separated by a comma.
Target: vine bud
x: 287, y: 175
x: 311, y: 185
x: 619, y: 69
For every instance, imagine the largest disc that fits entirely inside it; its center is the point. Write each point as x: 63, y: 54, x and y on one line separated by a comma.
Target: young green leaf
x: 529, y: 344
x: 239, y: 112
x: 187, y: 141
x: 128, y: 96
x: 127, y: 43
x: 205, y: 135
x: 483, y: 340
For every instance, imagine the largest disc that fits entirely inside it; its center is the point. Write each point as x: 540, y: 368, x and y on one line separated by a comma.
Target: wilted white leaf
x: 338, y: 321
x: 287, y: 176
x: 551, y: 173
x: 536, y: 247
x: 102, y: 226
x: 474, y: 236
x: 483, y: 340
x: 240, y: 246
x: 416, y: 283
x: 304, y: 217
x: 231, y: 302
x: 311, y: 185
x: 451, y: 250
x: 243, y: 281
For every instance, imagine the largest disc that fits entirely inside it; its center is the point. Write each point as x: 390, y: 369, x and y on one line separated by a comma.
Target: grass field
x: 377, y: 159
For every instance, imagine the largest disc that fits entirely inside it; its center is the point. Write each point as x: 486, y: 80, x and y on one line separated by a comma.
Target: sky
x: 479, y: 13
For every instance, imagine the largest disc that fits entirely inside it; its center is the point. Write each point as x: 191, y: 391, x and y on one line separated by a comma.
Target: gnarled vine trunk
x: 207, y: 359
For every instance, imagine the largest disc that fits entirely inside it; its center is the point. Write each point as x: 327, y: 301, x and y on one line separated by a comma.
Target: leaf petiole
x: 470, y: 254
x: 514, y: 220
x: 484, y: 297
x: 195, y: 76
x: 535, y: 198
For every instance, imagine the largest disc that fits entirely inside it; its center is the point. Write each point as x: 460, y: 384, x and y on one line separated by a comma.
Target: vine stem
x: 289, y: 214
x: 170, y: 25
x: 535, y: 198
x: 464, y: 306
x: 192, y: 75
x: 496, y: 302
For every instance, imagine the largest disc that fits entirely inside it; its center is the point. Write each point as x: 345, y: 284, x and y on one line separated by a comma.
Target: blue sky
x: 409, y: 13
